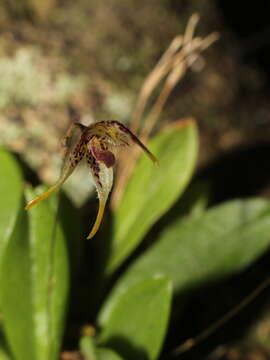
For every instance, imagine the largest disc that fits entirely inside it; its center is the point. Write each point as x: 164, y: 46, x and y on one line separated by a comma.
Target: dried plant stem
x: 181, y: 62
x: 161, y: 100
x: 171, y: 68
x: 153, y: 79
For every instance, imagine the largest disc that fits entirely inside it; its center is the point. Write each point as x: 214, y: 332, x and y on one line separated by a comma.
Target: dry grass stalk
x: 171, y: 68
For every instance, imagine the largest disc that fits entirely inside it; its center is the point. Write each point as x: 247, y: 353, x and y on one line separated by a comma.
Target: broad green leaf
x: 201, y: 249
x: 67, y: 215
x: 151, y: 190
x: 11, y: 190
x: 136, y: 325
x: 108, y: 354
x: 4, y: 355
x: 33, y: 296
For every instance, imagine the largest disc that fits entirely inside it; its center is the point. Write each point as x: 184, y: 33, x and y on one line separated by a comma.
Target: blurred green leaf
x: 201, y: 249
x: 88, y: 348
x: 193, y: 202
x: 152, y: 191
x: 72, y: 227
x: 107, y: 354
x: 137, y: 322
x: 4, y: 351
x: 4, y: 355
x: 11, y: 190
x: 33, y: 296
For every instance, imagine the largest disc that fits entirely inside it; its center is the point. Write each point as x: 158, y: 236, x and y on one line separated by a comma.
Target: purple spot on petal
x: 106, y: 157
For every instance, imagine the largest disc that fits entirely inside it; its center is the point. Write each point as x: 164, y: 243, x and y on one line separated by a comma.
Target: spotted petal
x: 100, y: 152
x: 103, y: 179
x: 75, y: 151
x: 116, y: 134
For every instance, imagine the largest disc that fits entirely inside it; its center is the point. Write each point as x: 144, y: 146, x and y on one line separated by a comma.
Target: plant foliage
x: 194, y: 245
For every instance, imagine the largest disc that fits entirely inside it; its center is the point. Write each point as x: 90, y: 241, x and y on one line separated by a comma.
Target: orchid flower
x: 95, y: 143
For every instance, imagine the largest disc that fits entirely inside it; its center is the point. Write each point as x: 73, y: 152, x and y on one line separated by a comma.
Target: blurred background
x: 93, y: 57
x: 90, y: 58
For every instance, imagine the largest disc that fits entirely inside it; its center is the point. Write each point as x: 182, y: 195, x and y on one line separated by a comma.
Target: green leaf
x: 33, y: 296
x: 152, y: 191
x: 67, y: 214
x: 89, y: 350
x: 107, y: 354
x: 193, y: 202
x: 136, y: 325
x: 11, y: 191
x: 200, y: 249
x: 4, y: 355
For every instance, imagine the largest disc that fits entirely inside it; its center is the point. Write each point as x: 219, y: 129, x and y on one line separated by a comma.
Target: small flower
x: 95, y: 143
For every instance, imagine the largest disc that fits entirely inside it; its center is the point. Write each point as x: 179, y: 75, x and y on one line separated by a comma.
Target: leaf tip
x: 156, y: 163
x: 182, y: 123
